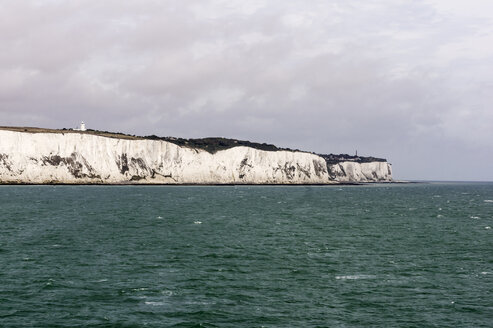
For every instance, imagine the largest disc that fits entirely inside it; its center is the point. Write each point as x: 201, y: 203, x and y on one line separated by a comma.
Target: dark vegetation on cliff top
x: 334, y: 159
x: 215, y: 144
x: 212, y: 145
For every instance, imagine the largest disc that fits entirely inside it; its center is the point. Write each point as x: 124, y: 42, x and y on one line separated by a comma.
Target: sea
x: 380, y: 255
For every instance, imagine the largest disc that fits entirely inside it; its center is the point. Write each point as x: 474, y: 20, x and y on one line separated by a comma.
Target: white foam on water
x: 197, y: 222
x: 487, y: 227
x: 313, y: 255
x: 355, y: 277
x: 484, y: 273
x: 474, y: 217
x: 154, y: 303
x: 488, y: 200
x: 159, y: 217
x: 439, y: 216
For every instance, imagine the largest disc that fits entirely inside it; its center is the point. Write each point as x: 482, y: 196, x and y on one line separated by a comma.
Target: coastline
x: 211, y: 184
x: 35, y: 156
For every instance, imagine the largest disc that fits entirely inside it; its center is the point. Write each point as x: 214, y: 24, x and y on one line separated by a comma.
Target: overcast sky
x: 411, y: 81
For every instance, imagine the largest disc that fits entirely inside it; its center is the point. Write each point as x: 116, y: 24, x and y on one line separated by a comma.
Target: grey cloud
x: 389, y: 78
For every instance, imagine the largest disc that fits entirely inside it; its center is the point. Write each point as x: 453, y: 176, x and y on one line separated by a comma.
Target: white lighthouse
x: 82, y: 127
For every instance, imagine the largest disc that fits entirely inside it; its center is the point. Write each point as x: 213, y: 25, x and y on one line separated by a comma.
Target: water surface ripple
x: 417, y: 255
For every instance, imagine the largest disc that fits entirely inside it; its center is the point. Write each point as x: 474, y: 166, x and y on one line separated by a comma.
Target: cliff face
x: 360, y: 172
x: 81, y: 158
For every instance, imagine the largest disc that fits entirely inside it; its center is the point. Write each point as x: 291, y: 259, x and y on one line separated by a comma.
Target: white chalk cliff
x: 348, y: 171
x: 82, y: 158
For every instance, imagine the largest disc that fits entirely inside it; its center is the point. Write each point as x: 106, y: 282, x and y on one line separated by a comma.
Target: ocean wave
x: 355, y: 277
x: 154, y: 303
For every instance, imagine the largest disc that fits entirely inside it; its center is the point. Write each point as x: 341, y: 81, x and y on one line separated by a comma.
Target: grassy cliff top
x: 211, y: 144
x: 117, y: 135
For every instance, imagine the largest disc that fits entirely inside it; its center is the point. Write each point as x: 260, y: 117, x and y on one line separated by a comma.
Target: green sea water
x: 417, y: 255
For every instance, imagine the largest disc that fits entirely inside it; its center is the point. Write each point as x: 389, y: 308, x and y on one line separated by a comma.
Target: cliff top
x: 214, y: 144
x: 211, y: 144
x: 334, y: 159
x: 27, y: 129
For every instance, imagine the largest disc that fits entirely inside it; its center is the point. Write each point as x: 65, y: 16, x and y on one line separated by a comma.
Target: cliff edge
x: 38, y: 156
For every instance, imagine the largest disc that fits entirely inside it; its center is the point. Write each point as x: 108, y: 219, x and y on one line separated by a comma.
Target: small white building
x: 82, y: 127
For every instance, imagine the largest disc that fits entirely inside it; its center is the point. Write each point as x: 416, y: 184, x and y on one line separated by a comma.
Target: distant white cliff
x: 349, y: 171
x: 82, y: 158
